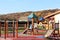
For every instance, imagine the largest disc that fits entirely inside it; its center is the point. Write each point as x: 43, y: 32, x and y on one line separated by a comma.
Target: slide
x: 35, y: 25
x: 49, y: 32
x: 24, y: 31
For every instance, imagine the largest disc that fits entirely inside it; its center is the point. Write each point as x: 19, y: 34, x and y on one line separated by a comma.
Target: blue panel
x: 41, y: 18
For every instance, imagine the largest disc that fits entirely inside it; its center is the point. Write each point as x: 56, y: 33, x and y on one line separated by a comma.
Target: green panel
x: 32, y: 15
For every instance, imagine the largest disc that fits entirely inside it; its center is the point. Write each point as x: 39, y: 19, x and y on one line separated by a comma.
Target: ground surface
x: 23, y: 37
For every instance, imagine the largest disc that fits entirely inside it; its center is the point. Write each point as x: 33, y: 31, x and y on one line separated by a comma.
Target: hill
x: 17, y: 15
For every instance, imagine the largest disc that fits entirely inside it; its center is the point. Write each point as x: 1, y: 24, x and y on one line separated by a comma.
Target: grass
x: 2, y: 32
x: 20, y: 30
x: 41, y: 33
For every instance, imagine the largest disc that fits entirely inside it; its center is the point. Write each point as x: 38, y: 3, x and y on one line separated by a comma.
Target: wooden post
x: 32, y: 25
x: 13, y: 29
x: 0, y: 28
x: 48, y: 24
x: 59, y: 27
x: 37, y: 21
x: 25, y: 26
x: 6, y: 27
x: 16, y: 29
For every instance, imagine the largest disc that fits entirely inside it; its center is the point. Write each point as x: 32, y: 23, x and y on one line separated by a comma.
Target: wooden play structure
x: 5, y: 26
x: 32, y: 18
x: 52, y: 26
x: 14, y: 24
x: 54, y: 32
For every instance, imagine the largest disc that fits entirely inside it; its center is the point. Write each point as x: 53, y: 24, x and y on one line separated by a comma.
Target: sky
x: 12, y: 6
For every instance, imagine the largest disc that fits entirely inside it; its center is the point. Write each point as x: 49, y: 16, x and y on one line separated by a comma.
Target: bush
x: 41, y: 27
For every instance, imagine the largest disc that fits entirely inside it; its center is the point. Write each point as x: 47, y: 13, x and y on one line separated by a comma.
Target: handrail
x: 51, y: 14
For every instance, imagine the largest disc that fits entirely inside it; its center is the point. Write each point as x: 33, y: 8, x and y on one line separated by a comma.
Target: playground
x: 34, y: 28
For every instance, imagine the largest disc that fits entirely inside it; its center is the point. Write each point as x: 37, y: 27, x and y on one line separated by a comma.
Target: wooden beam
x: 58, y: 12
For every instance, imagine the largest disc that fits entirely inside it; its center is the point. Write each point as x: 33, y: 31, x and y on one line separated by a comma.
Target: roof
x: 32, y: 15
